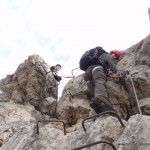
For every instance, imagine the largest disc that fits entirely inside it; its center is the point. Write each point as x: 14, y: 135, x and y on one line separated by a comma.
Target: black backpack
x: 91, y: 57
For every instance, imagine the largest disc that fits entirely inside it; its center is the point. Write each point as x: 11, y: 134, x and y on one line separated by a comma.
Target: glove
x: 124, y: 73
x: 58, y: 78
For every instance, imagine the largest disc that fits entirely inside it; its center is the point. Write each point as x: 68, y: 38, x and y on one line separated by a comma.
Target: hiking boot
x: 100, y: 106
x: 95, y: 104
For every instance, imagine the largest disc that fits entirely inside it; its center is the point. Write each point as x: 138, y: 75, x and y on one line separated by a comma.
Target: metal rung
x: 76, y: 94
x: 73, y: 70
x: 95, y: 143
x: 126, y: 107
x: 97, y: 115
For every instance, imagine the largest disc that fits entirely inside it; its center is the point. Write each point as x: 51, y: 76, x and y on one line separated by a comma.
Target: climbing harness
x: 123, y: 74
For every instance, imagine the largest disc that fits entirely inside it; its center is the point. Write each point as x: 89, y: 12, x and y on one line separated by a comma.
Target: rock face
x: 29, y: 118
x: 17, y: 124
x: 73, y: 104
x: 121, y: 91
x: 18, y: 130
x: 31, y: 83
x: 137, y: 60
x: 135, y: 136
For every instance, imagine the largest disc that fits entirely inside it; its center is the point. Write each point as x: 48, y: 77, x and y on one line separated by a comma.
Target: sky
x: 61, y: 30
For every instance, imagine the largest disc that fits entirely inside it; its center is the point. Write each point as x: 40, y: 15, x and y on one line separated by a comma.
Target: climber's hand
x: 124, y: 74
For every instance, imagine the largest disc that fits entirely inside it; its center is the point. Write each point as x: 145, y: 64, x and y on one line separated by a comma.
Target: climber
x: 54, y: 70
x: 97, y: 64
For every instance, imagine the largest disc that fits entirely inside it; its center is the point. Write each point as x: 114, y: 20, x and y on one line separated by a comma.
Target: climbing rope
x: 142, y: 118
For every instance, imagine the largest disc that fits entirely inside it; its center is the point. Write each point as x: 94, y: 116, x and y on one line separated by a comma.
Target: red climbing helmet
x: 117, y: 52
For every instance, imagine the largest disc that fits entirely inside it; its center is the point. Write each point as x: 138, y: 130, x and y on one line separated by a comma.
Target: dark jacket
x: 107, y: 60
x: 54, y: 71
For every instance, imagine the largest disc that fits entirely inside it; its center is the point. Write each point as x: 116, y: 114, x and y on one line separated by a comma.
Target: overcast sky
x: 61, y: 30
